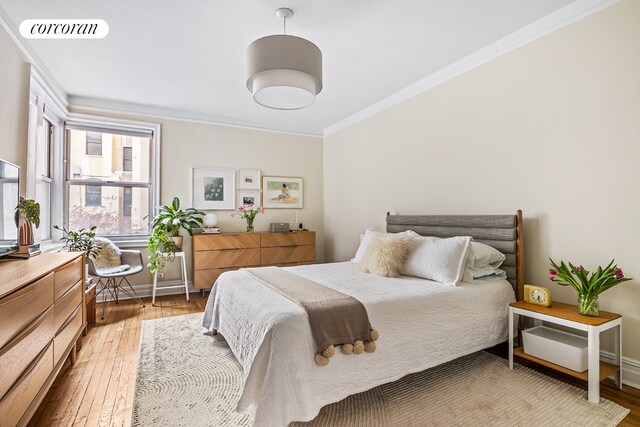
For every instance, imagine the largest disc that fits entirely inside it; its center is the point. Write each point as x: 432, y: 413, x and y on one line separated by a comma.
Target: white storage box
x: 562, y: 348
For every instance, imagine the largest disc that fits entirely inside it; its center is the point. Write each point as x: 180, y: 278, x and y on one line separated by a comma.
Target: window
x: 126, y: 201
x: 44, y: 177
x: 115, y: 191
x: 127, y: 159
x: 92, y: 195
x: 94, y: 144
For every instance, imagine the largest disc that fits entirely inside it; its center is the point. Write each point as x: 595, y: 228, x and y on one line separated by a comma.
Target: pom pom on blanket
x: 347, y: 348
x: 329, y: 351
x: 370, y: 346
x: 358, y: 347
x: 321, y: 360
x: 374, y: 335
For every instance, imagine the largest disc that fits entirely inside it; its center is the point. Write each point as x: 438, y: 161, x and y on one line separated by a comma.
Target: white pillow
x: 441, y: 260
x: 365, y: 240
x: 483, y: 260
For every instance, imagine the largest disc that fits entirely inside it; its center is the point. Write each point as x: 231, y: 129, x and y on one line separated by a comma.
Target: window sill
x: 51, y: 246
x: 131, y: 243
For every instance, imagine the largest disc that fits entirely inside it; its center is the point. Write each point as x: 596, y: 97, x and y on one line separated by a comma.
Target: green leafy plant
x: 162, y: 250
x: 80, y: 241
x: 172, y: 219
x: 588, y: 284
x: 30, y: 208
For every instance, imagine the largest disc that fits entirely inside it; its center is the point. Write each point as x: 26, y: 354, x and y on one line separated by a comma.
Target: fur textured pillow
x: 108, y: 254
x: 386, y: 254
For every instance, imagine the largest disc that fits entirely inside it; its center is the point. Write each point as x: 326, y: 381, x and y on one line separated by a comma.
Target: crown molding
x: 43, y: 73
x: 548, y: 24
x: 104, y: 106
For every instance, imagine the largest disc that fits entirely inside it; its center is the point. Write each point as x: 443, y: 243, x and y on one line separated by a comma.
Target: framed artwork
x: 214, y: 188
x: 249, y: 179
x: 249, y: 197
x: 282, y: 192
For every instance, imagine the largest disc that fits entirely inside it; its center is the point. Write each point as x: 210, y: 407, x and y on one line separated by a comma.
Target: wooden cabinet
x: 213, y: 254
x: 41, y: 318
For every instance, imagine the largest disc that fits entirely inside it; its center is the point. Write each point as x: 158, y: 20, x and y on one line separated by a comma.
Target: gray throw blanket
x: 335, y: 318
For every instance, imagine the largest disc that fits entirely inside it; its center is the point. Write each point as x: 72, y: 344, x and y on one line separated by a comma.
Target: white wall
x: 14, y: 103
x: 552, y: 128
x: 187, y: 144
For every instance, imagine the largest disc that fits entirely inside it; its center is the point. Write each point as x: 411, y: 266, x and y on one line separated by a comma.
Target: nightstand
x: 567, y: 315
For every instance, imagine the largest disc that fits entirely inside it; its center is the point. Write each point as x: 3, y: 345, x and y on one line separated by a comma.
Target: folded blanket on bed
x: 336, y: 319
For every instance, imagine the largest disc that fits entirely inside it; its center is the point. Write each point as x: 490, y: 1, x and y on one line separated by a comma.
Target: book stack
x: 210, y: 230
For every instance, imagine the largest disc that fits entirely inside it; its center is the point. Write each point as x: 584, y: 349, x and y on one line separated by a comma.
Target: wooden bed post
x: 519, y: 257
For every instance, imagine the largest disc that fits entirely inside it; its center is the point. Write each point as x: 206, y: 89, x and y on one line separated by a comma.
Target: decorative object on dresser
x: 279, y: 227
x: 42, y: 317
x: 249, y: 213
x: 214, y: 188
x: 588, y: 284
x: 568, y: 316
x: 26, y: 216
x: 282, y: 192
x: 209, y: 223
x: 537, y: 295
x: 217, y: 253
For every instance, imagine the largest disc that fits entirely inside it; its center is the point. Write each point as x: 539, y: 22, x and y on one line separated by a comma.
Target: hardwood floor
x: 98, y: 389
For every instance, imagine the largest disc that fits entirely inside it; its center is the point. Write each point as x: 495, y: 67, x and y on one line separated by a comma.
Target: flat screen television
x: 9, y: 199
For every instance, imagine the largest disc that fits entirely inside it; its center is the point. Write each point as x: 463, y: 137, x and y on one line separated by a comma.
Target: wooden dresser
x: 41, y: 319
x: 214, y: 254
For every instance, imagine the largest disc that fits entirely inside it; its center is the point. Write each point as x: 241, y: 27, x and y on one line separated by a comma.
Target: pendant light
x: 284, y: 72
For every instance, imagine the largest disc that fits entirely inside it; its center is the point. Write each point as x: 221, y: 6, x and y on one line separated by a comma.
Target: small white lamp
x: 210, y: 220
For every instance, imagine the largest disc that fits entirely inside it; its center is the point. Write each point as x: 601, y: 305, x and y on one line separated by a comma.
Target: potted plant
x: 79, y: 241
x: 162, y: 250
x: 27, y: 215
x: 249, y: 213
x: 588, y: 284
x: 172, y: 219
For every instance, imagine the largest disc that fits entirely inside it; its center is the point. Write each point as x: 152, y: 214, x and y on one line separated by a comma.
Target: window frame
x: 108, y: 124
x: 45, y: 106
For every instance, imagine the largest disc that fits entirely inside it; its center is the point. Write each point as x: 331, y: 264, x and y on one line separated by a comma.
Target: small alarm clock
x: 537, y: 295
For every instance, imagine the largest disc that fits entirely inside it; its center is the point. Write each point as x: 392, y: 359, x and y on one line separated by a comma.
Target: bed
x: 422, y: 323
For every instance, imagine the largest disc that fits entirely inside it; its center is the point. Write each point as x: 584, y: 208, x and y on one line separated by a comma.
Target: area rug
x: 186, y: 378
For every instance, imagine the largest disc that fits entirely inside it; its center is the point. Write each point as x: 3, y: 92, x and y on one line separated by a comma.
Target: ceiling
x: 187, y: 58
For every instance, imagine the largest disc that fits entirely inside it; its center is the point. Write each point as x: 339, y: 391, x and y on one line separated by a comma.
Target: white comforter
x: 421, y: 323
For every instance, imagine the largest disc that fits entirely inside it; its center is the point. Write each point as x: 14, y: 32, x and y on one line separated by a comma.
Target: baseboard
x: 630, y: 369
x: 144, y: 291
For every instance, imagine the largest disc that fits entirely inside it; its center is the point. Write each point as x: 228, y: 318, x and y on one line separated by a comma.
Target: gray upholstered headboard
x: 503, y: 232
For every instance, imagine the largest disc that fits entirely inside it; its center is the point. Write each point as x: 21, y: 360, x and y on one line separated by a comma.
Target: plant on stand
x: 588, y: 284
x: 172, y: 219
x: 26, y: 216
x: 249, y: 213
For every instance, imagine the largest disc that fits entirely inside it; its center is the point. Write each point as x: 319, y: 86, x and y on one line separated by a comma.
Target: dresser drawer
x: 288, y: 239
x: 204, y: 242
x: 287, y: 254
x: 67, y: 303
x: 226, y: 259
x: 66, y: 335
x: 204, y: 279
x: 17, y: 400
x: 16, y: 356
x: 67, y: 276
x: 19, y: 309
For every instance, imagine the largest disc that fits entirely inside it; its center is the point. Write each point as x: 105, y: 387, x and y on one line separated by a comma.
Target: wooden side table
x: 567, y: 315
x: 183, y: 274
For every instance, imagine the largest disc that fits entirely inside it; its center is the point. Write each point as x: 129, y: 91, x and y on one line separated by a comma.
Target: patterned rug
x: 186, y: 378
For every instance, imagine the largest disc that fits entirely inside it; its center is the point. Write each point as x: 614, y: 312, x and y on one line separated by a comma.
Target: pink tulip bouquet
x: 248, y: 212
x: 588, y: 284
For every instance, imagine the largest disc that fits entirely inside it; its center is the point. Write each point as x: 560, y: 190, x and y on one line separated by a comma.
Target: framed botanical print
x: 282, y: 192
x: 249, y: 179
x: 214, y: 188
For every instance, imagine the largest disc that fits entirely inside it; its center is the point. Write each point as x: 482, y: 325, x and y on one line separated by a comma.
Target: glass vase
x: 249, y: 225
x: 588, y: 305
